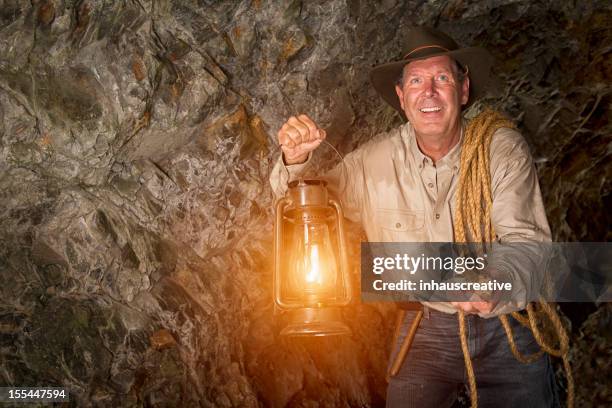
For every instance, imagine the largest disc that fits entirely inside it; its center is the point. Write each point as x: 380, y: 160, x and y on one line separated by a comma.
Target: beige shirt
x: 399, y: 195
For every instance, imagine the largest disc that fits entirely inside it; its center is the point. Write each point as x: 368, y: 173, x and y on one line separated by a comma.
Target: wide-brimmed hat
x: 424, y: 42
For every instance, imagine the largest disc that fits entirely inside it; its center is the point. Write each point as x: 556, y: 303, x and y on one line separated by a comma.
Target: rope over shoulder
x: 472, y: 223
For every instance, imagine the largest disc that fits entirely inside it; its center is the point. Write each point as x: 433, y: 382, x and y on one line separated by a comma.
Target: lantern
x: 311, y: 276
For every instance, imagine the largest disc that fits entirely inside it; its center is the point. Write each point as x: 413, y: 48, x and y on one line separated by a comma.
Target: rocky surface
x: 136, y: 139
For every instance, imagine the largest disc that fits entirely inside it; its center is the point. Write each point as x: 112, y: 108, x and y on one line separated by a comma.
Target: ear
x: 400, y: 95
x: 465, y: 91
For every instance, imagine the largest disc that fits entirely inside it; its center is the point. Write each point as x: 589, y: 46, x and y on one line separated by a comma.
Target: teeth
x: 434, y: 109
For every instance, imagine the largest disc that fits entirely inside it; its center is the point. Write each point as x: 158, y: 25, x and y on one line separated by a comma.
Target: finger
x: 465, y: 306
x: 309, y: 146
x: 483, y: 307
x: 282, y: 136
x: 313, y: 129
x: 284, y: 140
x: 296, y: 136
x: 301, y: 149
x: 307, y: 120
x: 289, y: 136
x: 301, y: 127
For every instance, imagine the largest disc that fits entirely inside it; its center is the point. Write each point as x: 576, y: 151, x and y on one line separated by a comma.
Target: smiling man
x: 401, y: 186
x: 431, y: 94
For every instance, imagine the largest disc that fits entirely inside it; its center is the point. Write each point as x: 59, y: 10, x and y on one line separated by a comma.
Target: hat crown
x: 425, y: 41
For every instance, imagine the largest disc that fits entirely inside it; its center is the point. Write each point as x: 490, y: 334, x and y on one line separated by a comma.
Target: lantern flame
x: 313, y: 261
x: 314, y: 274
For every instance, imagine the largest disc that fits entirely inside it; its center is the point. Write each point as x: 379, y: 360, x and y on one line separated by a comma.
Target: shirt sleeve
x: 282, y: 174
x: 521, y: 253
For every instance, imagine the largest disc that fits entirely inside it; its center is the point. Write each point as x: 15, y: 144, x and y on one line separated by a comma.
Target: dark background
x: 136, y: 138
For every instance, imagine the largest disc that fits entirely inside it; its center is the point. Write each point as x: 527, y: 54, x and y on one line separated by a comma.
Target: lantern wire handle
x: 335, y: 150
x: 342, y: 163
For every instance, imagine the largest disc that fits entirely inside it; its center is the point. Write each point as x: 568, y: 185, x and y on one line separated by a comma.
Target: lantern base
x: 311, y: 321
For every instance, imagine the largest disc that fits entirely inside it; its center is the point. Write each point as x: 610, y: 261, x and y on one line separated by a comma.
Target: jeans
x: 434, y: 369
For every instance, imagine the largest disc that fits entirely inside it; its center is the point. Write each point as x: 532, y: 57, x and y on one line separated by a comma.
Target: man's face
x: 431, y: 96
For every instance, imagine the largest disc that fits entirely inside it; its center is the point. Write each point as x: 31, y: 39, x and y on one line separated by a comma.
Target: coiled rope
x: 473, y: 220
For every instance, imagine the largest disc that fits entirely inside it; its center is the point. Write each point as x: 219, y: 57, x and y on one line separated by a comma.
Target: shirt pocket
x: 400, y: 224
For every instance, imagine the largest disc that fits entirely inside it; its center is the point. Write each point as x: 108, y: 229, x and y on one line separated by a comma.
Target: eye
x: 414, y: 81
x: 443, y: 78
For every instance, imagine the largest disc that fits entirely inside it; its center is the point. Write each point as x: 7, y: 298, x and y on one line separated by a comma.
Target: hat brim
x: 478, y: 60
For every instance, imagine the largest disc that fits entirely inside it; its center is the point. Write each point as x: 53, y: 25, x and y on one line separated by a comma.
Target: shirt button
x: 437, y: 216
x: 430, y: 185
x: 398, y: 225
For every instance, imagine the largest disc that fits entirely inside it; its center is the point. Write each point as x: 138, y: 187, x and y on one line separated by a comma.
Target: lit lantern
x: 311, y: 276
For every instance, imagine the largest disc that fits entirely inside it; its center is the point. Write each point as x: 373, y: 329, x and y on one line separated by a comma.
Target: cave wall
x: 136, y: 138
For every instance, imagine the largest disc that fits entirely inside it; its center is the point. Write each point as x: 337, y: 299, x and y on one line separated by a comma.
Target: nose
x: 430, y: 87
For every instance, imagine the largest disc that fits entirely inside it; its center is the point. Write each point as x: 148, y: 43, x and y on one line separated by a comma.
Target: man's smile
x: 431, y: 109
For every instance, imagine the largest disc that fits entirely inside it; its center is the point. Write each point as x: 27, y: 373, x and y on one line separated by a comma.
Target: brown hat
x: 424, y: 42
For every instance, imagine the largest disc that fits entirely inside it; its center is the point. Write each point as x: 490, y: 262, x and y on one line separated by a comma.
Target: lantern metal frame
x: 308, y: 200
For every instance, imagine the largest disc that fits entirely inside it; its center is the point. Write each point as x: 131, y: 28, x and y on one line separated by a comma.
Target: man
x: 401, y: 186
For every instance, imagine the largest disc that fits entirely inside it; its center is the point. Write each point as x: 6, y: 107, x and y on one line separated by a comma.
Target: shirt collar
x: 451, y: 159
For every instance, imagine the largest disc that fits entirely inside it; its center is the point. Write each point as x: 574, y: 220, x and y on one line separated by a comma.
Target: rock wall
x: 136, y: 138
